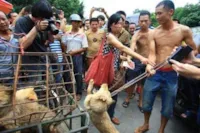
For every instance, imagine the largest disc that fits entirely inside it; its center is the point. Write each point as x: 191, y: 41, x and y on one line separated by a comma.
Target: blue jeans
x: 57, y: 68
x: 166, y: 82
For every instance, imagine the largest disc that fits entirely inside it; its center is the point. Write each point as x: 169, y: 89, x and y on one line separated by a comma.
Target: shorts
x: 166, y: 82
x: 139, y: 69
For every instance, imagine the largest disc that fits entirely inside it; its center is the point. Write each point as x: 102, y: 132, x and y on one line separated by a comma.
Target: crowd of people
x: 141, y: 44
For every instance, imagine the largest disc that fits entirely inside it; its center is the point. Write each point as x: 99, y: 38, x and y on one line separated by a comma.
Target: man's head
x: 87, y: 23
x: 144, y: 20
x: 123, y: 15
x: 12, y: 16
x: 115, y: 23
x: 101, y: 19
x: 75, y: 20
x: 164, y: 11
x: 4, y: 23
x: 94, y: 24
x: 132, y: 27
x: 126, y: 26
x: 27, y: 10
x: 41, y: 10
x: 176, y: 21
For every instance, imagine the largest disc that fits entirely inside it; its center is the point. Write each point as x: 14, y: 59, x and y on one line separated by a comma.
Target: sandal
x: 140, y: 108
x: 125, y: 104
x: 188, y: 114
x: 78, y: 97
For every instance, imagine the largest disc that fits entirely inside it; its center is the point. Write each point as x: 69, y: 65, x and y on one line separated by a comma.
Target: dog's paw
x: 102, y: 98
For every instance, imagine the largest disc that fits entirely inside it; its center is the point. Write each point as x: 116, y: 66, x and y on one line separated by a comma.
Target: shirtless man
x: 164, y: 39
x: 139, y: 44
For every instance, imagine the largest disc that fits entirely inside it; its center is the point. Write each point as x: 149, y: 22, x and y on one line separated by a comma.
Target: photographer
x: 9, y: 45
x: 37, y: 22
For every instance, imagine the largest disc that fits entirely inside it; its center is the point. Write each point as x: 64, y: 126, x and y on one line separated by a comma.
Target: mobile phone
x: 98, y: 9
x: 180, y: 53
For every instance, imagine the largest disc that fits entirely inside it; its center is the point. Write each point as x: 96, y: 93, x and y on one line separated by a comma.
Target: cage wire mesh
x: 53, y: 95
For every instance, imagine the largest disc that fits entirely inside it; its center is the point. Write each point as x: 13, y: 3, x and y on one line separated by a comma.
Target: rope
x: 138, y: 78
x: 20, y: 44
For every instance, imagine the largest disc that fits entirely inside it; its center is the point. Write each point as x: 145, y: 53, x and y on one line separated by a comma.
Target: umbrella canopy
x: 5, y: 6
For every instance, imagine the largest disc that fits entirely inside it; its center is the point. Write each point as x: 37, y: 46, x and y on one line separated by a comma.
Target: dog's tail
x: 90, y: 86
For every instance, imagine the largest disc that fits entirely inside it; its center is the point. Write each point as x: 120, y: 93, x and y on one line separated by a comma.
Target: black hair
x: 127, y: 22
x: 101, y: 17
x: 42, y: 9
x: 132, y: 23
x: 176, y: 20
x: 168, y: 4
x: 144, y: 12
x: 94, y: 20
x: 121, y: 13
x: 86, y: 20
x: 28, y: 9
x: 115, y: 18
x: 9, y: 14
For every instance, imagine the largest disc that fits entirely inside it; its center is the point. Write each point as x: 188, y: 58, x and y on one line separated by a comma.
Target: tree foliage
x: 68, y: 6
x: 188, y: 15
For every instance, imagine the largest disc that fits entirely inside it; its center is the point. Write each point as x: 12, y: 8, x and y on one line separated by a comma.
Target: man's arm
x: 91, y: 12
x: 27, y: 40
x: 152, y: 53
x: 104, y: 11
x: 188, y: 37
x: 133, y: 45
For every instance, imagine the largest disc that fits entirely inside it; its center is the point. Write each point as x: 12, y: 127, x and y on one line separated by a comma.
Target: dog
x: 27, y: 109
x: 97, y: 105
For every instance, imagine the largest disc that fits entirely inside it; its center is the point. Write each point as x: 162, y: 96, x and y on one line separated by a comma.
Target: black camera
x: 51, y: 27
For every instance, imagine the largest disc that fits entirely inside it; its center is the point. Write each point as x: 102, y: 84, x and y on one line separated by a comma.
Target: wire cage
x: 37, y: 93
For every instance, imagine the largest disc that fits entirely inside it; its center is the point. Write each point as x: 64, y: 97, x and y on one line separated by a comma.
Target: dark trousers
x: 78, y: 71
x: 111, y: 109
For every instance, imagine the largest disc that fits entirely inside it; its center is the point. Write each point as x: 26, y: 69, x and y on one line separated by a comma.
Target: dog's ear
x: 87, y: 101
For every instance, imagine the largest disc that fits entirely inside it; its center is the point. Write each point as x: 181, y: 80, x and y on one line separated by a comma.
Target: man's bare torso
x: 142, y: 43
x: 166, y: 41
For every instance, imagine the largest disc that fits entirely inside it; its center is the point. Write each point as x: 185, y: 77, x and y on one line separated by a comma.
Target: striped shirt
x: 55, y: 47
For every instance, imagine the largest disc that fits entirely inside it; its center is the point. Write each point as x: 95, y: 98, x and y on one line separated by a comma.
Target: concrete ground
x: 131, y: 118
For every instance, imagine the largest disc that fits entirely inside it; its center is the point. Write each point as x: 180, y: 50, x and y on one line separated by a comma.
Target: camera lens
x: 54, y: 29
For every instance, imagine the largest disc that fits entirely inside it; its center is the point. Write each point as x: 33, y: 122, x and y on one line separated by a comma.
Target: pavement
x: 131, y: 118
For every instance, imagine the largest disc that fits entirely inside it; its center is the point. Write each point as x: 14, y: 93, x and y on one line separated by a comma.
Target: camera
x: 98, y: 9
x: 51, y: 27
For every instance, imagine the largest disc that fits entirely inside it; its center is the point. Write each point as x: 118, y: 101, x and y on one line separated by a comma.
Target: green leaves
x: 68, y: 6
x: 188, y: 15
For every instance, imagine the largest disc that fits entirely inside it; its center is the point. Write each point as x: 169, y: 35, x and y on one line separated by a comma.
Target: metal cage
x: 54, y: 85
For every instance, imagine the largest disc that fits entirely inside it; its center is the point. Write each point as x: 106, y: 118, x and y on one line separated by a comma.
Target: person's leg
x: 78, y: 69
x: 130, y: 74
x: 111, y: 111
x: 151, y: 87
x: 168, y: 96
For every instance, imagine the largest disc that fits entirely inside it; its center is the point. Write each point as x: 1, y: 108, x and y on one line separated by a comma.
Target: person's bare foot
x: 142, y: 129
x: 160, y: 131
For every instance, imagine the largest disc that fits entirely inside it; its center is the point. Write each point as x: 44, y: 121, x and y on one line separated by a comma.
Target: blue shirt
x: 6, y: 48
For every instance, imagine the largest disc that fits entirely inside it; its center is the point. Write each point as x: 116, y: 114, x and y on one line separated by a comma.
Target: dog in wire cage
x: 25, y: 111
